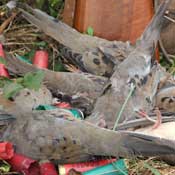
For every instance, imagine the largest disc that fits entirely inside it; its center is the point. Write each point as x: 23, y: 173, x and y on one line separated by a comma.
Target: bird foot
x: 156, y: 122
x: 159, y: 118
x: 102, y: 123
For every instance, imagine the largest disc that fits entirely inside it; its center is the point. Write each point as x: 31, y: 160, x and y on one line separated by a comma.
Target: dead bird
x: 91, y: 54
x: 135, y: 70
x: 56, y: 135
x: 144, y: 49
x: 28, y: 99
x: 64, y: 82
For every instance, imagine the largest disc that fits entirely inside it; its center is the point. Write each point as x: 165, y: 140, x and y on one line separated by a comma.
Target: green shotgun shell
x: 115, y: 168
x: 45, y: 107
x: 77, y: 113
x: 22, y: 58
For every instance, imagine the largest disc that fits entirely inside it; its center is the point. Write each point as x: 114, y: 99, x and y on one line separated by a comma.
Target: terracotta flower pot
x: 114, y: 19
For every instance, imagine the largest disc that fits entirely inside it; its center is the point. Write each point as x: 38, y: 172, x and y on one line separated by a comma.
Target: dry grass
x: 144, y: 167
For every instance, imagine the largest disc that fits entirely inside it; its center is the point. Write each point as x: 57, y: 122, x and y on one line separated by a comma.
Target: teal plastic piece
x: 22, y: 58
x: 77, y: 113
x: 45, y: 107
x: 115, y: 168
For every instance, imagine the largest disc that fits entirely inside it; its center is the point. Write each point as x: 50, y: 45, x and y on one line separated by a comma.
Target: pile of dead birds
x: 114, y: 103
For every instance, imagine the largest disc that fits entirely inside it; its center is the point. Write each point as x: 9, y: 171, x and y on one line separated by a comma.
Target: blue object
x: 22, y: 58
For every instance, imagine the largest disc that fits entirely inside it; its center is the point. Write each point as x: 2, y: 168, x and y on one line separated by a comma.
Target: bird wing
x: 59, y: 31
x: 151, y: 34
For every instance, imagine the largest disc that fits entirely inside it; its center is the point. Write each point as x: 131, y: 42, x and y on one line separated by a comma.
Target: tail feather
x: 6, y: 118
x: 134, y: 144
x: 152, y: 32
x: 58, y: 30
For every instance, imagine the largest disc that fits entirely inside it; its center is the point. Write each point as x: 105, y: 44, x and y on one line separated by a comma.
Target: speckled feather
x: 137, y: 67
x: 57, y: 136
x: 90, y: 54
x: 165, y: 98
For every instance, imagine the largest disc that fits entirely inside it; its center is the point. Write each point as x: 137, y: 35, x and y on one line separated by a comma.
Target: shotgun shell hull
x: 4, y: 71
x: 41, y: 59
x: 24, y: 165
x: 6, y: 150
x: 47, y: 168
x: 2, y: 54
x: 83, y: 167
x: 115, y: 168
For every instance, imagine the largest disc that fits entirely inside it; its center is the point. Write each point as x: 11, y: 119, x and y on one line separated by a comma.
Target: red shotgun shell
x: 2, y: 54
x: 63, y: 105
x: 6, y: 150
x: 83, y: 167
x: 24, y: 165
x: 47, y: 168
x: 41, y: 59
x: 4, y: 71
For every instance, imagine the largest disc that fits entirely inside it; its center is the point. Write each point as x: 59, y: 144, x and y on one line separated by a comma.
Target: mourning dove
x: 134, y: 70
x: 64, y: 82
x: 55, y: 135
x: 91, y: 54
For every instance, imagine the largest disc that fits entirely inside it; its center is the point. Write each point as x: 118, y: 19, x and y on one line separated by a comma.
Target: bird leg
x: 156, y: 122
x: 159, y: 118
